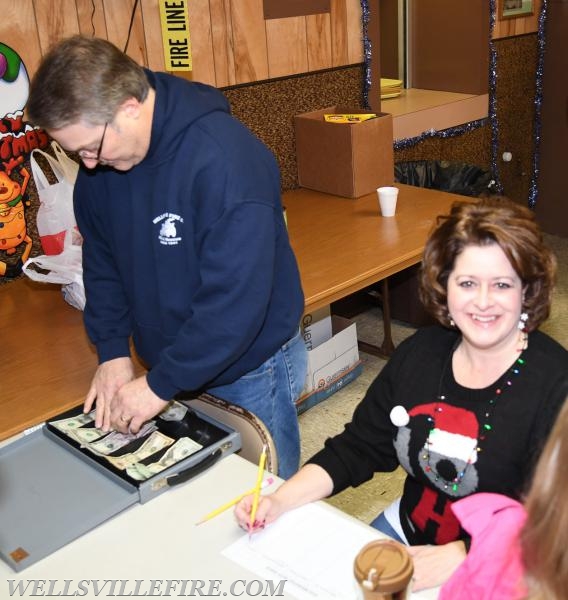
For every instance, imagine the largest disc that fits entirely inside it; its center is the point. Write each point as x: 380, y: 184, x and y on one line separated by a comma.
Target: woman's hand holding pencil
x: 268, y: 510
x: 253, y: 511
x: 309, y: 484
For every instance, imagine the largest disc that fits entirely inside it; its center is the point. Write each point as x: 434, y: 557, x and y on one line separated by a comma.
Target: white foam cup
x: 387, y: 200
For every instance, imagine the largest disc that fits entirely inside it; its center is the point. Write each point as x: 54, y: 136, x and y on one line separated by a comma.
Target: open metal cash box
x: 53, y: 489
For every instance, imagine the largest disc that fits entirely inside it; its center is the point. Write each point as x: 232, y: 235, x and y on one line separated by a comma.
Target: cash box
x: 64, y: 478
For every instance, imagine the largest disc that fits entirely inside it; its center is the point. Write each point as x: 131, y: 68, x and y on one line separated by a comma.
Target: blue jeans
x: 270, y: 392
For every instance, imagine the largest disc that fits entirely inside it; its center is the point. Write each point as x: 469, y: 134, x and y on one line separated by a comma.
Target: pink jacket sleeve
x: 493, y: 569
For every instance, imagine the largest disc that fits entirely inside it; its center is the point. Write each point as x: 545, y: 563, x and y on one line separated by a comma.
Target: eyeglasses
x: 100, y: 148
x: 97, y: 156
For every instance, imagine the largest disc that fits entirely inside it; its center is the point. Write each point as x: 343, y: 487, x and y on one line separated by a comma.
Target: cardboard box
x: 316, y: 327
x: 345, y: 159
x: 331, y: 365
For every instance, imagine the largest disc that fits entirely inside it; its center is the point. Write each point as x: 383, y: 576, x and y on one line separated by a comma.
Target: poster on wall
x: 17, y: 139
x: 511, y: 9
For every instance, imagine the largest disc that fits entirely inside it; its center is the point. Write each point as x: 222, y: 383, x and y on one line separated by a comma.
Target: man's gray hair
x: 83, y: 80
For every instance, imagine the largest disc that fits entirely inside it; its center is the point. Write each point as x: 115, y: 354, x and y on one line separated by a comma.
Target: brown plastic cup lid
x: 383, y: 566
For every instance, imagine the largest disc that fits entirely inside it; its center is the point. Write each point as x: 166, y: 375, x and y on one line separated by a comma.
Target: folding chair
x: 254, y: 433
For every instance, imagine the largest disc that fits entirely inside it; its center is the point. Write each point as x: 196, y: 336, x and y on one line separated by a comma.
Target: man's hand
x: 434, y: 565
x: 109, y: 378
x: 134, y: 404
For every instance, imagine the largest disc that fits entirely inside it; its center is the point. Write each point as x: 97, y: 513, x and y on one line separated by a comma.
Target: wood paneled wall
x: 231, y: 41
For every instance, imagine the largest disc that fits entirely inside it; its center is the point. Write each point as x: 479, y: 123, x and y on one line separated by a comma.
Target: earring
x: 524, y: 341
x: 452, y: 322
x: 524, y: 317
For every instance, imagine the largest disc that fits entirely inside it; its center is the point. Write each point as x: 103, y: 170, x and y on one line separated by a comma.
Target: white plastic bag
x: 55, y: 217
x: 65, y: 268
x: 61, y: 241
x: 69, y: 167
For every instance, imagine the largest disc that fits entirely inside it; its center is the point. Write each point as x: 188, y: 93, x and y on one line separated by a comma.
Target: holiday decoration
x: 17, y: 140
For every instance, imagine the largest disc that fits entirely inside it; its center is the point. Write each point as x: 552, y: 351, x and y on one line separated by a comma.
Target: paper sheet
x: 311, y: 548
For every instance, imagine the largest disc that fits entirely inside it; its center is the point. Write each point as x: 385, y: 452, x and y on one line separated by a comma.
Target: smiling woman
x: 492, y: 221
x: 464, y: 406
x: 485, y: 297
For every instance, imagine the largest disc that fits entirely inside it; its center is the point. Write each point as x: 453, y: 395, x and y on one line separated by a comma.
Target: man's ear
x: 131, y: 108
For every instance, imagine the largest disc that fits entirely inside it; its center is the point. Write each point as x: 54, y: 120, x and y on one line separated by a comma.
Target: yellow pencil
x: 257, y: 488
x: 232, y: 502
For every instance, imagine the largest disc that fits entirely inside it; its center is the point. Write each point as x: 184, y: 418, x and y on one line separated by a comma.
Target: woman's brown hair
x: 544, y: 537
x: 491, y: 220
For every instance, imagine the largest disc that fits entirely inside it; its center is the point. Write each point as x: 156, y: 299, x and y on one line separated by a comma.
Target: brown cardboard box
x: 345, y: 159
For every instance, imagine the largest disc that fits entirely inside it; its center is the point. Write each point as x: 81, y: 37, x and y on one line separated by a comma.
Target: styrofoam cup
x: 387, y: 200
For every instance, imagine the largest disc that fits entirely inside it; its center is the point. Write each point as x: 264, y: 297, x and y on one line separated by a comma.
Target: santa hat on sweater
x: 454, y: 430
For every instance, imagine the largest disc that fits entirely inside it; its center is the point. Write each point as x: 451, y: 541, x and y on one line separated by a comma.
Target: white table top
x: 157, y: 541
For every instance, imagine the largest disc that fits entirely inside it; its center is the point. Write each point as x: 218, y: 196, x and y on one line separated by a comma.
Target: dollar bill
x: 116, y: 440
x: 156, y: 442
x: 86, y: 435
x: 75, y: 422
x: 183, y: 448
x: 173, y: 412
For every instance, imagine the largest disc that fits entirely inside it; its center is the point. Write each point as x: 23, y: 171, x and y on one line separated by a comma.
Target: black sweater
x: 508, y: 428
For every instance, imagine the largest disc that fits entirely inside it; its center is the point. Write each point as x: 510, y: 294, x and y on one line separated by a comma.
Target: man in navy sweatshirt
x: 185, y: 251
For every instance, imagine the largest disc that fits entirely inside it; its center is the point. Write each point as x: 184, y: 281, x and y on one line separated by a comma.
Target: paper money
x: 86, y: 435
x: 116, y: 440
x: 139, y: 472
x: 183, y: 448
x: 75, y: 422
x: 173, y: 412
x: 156, y: 442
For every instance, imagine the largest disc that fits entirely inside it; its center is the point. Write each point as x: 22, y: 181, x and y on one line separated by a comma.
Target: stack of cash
x: 105, y: 444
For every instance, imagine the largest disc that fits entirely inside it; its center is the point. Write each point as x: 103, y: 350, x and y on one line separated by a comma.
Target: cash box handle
x: 186, y: 475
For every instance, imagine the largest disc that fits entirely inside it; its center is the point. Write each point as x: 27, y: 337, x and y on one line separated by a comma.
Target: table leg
x: 387, y: 346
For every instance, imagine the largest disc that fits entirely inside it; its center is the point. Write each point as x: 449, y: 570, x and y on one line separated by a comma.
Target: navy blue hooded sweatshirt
x: 188, y: 252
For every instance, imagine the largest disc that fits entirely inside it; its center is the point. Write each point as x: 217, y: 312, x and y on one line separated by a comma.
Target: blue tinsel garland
x: 493, y: 101
x: 445, y: 133
x: 533, y: 190
x: 461, y: 129
x: 367, y: 51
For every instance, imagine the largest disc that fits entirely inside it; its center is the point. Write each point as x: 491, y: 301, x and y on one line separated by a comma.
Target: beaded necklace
x: 504, y: 383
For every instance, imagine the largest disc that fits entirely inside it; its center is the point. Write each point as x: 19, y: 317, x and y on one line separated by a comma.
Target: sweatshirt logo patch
x: 168, y: 233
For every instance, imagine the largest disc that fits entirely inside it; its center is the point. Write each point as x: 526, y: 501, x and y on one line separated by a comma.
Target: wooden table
x: 47, y: 361
x: 343, y: 245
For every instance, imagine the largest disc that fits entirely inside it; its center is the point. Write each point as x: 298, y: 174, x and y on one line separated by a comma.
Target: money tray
x: 53, y: 491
